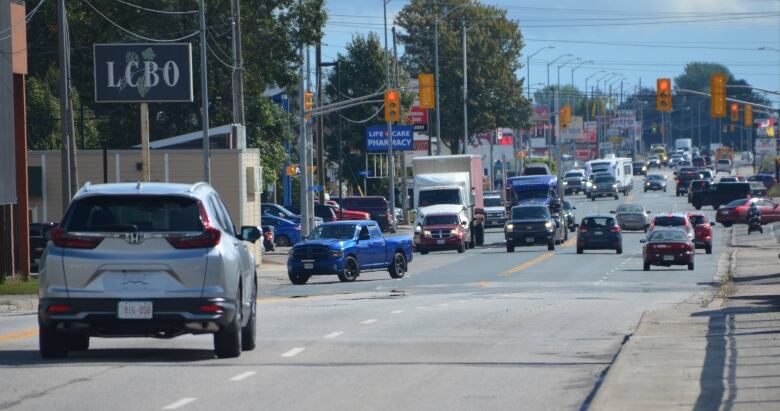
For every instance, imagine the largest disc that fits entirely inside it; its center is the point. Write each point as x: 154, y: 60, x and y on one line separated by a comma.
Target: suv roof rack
x: 198, y: 185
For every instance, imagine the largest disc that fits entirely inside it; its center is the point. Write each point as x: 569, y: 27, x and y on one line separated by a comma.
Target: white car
x: 747, y: 156
x: 724, y: 166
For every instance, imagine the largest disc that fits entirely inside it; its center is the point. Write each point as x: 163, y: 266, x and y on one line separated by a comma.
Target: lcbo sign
x: 140, y: 73
x: 376, y: 138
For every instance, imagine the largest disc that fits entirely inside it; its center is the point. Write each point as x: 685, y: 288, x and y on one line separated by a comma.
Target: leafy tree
x: 494, y: 48
x: 568, y: 94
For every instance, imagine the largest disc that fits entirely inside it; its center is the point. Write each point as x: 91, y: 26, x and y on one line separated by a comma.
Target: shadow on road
x: 21, y: 358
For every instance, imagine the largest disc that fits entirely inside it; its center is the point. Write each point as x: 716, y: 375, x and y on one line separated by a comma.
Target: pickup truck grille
x: 438, y: 234
x: 316, y: 253
x: 525, y: 227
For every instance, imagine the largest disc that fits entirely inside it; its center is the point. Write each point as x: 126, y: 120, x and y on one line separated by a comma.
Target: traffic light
x: 392, y: 105
x: 748, y: 116
x: 565, y: 116
x: 734, y: 112
x: 427, y: 91
x: 307, y: 100
x: 718, y: 92
x: 663, y: 95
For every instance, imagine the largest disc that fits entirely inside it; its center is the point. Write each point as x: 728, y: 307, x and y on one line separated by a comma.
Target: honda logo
x: 134, y: 238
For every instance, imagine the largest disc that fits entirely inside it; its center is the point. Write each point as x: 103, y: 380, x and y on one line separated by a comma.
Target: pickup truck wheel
x: 227, y: 341
x: 708, y: 248
x: 551, y: 246
x: 282, y: 241
x: 510, y: 248
x: 351, y: 270
x: 298, y: 279
x: 690, y: 267
x: 51, y: 343
x: 462, y: 248
x: 727, y: 225
x: 249, y: 331
x: 697, y: 206
x: 398, y: 267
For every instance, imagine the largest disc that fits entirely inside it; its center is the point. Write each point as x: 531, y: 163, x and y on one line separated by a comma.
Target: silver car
x: 147, y: 260
x: 632, y: 217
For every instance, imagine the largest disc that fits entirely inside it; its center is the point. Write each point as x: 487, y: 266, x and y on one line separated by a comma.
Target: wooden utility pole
x: 238, y: 68
x: 319, y: 129
x: 68, y: 174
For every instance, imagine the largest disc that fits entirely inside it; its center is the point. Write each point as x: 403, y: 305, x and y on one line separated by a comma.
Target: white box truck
x: 450, y: 184
x: 683, y: 144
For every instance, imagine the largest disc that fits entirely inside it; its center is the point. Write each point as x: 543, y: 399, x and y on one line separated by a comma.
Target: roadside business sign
x: 376, y: 138
x: 418, y: 119
x: 143, y: 73
x: 765, y: 145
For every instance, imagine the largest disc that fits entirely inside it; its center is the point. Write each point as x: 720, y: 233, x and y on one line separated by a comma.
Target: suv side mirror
x: 250, y: 233
x: 47, y: 232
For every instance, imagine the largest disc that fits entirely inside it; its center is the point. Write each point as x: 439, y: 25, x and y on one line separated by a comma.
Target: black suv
x: 719, y: 194
x: 534, y: 225
x: 684, y: 179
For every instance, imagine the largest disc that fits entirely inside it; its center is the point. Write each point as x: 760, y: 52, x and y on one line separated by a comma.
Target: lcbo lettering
x: 151, y: 74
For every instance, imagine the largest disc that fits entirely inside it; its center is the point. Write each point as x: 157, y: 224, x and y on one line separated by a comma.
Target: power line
x: 155, y: 10
x: 208, y: 45
x: 26, y: 20
x: 136, y: 34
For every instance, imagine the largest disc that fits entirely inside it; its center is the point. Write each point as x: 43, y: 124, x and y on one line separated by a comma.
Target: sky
x: 639, y: 40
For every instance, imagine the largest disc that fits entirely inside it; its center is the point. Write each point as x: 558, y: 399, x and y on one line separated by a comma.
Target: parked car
x: 604, y: 185
x: 147, y: 259
x: 495, y: 211
x: 533, y: 224
x: 702, y: 229
x: 443, y: 232
x: 599, y: 232
x: 286, y: 232
x: 38, y: 242
x: 697, y: 185
x: 667, y: 247
x: 767, y: 179
x: 632, y: 217
x: 675, y: 220
x: 346, y: 249
x: 376, y: 206
x: 736, y: 211
x: 343, y: 214
x: 275, y: 210
x: 640, y: 168
x: 655, y: 182
x: 569, y: 216
x: 724, y: 166
x: 719, y: 194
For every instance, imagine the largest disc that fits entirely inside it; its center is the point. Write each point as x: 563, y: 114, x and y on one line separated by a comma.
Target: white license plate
x: 308, y: 266
x: 439, y: 242
x: 134, y: 310
x: 529, y: 240
x: 668, y: 258
x: 597, y: 233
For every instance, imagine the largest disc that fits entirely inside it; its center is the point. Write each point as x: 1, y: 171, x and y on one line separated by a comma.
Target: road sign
x: 139, y: 72
x: 765, y: 145
x: 364, y: 173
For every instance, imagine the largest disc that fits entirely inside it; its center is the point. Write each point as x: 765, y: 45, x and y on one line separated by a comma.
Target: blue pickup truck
x: 346, y: 248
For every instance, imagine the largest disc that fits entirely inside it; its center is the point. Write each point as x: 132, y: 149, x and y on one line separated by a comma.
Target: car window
x: 493, y: 202
x: 441, y: 219
x: 334, y: 231
x: 522, y: 213
x: 598, y: 222
x: 376, y: 234
x: 127, y: 213
x: 605, y: 179
x: 737, y: 203
x: 364, y: 232
x: 668, y: 235
x: 669, y: 221
x: 697, y: 219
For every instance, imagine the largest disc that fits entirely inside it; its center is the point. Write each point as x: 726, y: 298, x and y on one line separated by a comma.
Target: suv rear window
x: 358, y: 202
x: 596, y: 222
x: 669, y: 221
x: 130, y: 213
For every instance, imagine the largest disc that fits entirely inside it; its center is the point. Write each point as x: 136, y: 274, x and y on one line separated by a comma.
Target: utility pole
x: 302, y: 150
x: 465, y: 89
x: 204, y: 85
x: 404, y: 189
x: 238, y: 68
x: 436, y: 76
x: 69, y: 171
x: 390, y: 155
x: 319, y: 130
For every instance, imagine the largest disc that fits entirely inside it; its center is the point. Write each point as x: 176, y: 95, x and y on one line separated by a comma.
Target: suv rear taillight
x: 62, y: 238
x: 615, y: 229
x: 207, y: 239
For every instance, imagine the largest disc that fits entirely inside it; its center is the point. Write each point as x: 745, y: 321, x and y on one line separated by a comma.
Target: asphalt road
x: 480, y: 330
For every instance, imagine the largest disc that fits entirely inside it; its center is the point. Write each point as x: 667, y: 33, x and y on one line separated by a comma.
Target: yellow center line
x: 529, y: 263
x: 630, y: 198
x: 19, y: 335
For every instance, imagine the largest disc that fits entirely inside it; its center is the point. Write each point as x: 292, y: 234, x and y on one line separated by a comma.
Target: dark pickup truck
x: 684, y: 179
x: 532, y: 224
x: 720, y: 194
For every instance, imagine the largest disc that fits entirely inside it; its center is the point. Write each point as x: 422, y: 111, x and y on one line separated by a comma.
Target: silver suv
x: 147, y: 260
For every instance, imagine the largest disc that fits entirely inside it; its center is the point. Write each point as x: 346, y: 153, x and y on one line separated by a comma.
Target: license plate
x: 439, y: 242
x: 529, y: 240
x: 308, y: 266
x: 597, y: 233
x: 134, y: 310
x: 668, y: 258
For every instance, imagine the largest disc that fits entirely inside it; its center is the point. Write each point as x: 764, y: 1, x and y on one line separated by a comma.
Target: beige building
x: 236, y: 175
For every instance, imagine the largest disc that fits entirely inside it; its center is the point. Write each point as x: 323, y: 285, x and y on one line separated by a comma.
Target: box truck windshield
x: 438, y: 197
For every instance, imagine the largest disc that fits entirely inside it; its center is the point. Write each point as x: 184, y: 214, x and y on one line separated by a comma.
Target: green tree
x: 494, y: 48
x: 568, y: 94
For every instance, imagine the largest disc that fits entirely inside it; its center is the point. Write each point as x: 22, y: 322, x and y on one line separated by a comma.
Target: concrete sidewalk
x: 708, y: 354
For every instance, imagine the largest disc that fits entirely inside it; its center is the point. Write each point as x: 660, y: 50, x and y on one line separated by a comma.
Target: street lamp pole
x: 553, y: 62
x: 390, y: 155
x: 465, y: 89
x: 528, y: 68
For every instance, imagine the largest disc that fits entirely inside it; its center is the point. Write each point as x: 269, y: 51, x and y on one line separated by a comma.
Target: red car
x: 442, y: 232
x: 676, y: 220
x: 342, y: 214
x: 702, y: 229
x: 736, y: 211
x: 668, y: 247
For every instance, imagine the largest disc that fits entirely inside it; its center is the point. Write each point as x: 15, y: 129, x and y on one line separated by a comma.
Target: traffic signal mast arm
x: 344, y: 104
x: 701, y: 93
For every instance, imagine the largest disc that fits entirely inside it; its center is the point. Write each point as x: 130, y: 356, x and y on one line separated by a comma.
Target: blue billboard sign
x: 376, y: 138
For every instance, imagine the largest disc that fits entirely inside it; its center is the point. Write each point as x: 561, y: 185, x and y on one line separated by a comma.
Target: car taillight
x: 583, y: 229
x: 207, y: 239
x: 615, y: 229
x: 59, y: 309
x: 211, y: 309
x: 62, y: 238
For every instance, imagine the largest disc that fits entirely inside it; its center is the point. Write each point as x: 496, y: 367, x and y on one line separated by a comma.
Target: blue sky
x: 618, y: 36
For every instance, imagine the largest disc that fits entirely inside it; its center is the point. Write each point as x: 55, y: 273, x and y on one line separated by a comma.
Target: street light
x: 573, y: 69
x: 564, y: 65
x: 553, y: 62
x: 528, y: 67
x: 588, y: 78
x: 436, y: 63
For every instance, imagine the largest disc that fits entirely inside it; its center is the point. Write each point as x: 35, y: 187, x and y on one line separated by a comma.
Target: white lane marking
x: 443, y: 305
x: 422, y: 308
x: 334, y: 334
x: 371, y: 321
x: 396, y: 311
x: 243, y: 376
x: 295, y: 351
x: 180, y: 403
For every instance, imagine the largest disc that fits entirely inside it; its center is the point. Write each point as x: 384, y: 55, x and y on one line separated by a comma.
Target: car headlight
x: 454, y: 231
x: 336, y: 253
x: 510, y: 227
x: 644, y: 168
x: 647, y: 183
x: 549, y: 225
x: 614, y: 185
x: 588, y: 184
x: 565, y: 183
x: 426, y: 233
x: 417, y: 228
